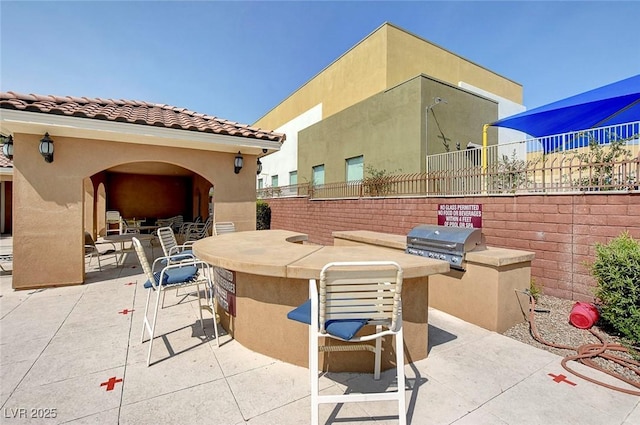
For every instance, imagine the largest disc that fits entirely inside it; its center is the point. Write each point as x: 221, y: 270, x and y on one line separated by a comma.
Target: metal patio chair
x: 91, y: 249
x: 183, y: 274
x: 352, y: 295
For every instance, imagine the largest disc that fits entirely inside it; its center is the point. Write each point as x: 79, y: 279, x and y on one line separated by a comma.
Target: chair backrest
x: 88, y: 239
x: 368, y: 290
x: 113, y: 216
x: 199, y: 231
x: 89, y: 243
x: 144, y: 263
x: 224, y: 227
x: 167, y: 240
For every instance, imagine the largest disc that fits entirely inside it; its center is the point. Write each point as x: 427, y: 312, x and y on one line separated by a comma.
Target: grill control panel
x: 455, y: 261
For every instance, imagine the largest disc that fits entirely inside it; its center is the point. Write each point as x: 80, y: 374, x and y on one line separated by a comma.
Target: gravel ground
x: 552, y: 320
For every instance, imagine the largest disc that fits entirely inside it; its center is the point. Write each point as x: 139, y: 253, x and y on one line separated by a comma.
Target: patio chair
x: 91, y: 249
x: 352, y: 295
x: 113, y: 218
x: 183, y: 274
x: 185, y: 226
x: 129, y: 228
x: 5, y: 258
x: 171, y: 248
x: 199, y: 230
x: 222, y: 227
x: 174, y: 222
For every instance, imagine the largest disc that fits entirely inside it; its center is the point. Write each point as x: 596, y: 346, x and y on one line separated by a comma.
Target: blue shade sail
x: 613, y: 104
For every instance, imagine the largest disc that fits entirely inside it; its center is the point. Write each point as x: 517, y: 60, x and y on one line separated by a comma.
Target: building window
x: 260, y: 183
x: 355, y: 168
x: 318, y: 174
x: 274, y: 181
x: 293, y: 177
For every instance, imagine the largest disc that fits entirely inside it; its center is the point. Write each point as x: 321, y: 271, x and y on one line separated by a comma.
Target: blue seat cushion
x: 344, y: 328
x: 182, y: 255
x: 174, y: 276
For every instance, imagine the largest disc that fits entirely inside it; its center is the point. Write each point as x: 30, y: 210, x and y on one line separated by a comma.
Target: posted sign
x: 225, y: 281
x: 460, y: 215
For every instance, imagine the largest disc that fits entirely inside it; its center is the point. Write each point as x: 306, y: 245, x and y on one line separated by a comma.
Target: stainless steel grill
x: 443, y: 243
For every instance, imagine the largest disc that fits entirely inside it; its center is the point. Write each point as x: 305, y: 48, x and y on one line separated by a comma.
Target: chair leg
x: 377, y: 362
x: 402, y: 415
x: 200, y: 307
x: 313, y: 374
x: 211, y: 301
x: 153, y: 326
x: 99, y: 265
x: 145, y: 322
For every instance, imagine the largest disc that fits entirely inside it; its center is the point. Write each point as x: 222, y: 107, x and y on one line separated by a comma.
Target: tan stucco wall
x: 385, y: 58
x: 488, y: 296
x: 489, y: 293
x: 388, y: 129
x: 409, y: 55
x: 49, y: 211
x: 354, y: 76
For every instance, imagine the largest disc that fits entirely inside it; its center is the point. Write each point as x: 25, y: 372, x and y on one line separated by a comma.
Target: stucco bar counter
x: 262, y: 275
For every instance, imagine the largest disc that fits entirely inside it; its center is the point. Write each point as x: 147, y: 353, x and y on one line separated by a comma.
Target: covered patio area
x: 146, y: 160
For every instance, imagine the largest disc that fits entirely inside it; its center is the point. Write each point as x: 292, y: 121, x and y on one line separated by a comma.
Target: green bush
x: 617, y: 271
x: 263, y: 216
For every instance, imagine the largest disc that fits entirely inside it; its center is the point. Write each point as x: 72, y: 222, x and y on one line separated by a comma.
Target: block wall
x: 560, y: 229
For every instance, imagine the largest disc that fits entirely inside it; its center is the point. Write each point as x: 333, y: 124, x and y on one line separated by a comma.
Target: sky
x: 239, y: 59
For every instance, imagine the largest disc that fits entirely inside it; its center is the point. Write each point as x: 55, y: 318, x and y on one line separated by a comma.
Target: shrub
x: 617, y: 271
x: 263, y: 216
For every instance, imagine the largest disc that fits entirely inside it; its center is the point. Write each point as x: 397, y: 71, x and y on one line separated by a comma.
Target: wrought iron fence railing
x: 601, y: 159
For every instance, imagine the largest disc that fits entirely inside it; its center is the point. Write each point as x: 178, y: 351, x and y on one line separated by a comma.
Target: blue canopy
x: 616, y: 103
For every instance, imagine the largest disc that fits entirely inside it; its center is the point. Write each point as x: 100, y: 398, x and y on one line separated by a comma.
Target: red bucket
x: 583, y: 315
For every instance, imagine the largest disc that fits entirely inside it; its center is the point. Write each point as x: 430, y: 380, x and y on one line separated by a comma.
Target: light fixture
x: 436, y: 100
x: 259, y: 170
x: 238, y: 163
x: 7, y: 147
x: 46, y: 148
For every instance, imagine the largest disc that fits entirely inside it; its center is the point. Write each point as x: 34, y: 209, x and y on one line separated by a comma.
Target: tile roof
x: 133, y: 112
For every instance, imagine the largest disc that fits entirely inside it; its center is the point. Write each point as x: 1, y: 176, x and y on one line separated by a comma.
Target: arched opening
x: 145, y: 192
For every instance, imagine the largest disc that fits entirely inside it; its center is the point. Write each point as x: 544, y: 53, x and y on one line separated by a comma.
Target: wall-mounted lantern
x: 46, y: 148
x: 238, y: 163
x: 7, y: 147
x: 259, y: 167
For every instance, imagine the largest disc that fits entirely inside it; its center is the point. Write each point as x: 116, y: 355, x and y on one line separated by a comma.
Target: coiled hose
x: 586, y: 354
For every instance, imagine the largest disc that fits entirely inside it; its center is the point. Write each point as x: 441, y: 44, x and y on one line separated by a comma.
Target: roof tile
x: 133, y: 112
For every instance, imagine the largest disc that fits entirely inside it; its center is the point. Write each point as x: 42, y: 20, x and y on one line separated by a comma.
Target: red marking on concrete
x: 111, y: 383
x: 129, y: 284
x: 126, y: 311
x: 561, y: 378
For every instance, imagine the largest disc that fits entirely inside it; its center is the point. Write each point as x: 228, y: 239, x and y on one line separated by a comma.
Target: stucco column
x: 47, y: 214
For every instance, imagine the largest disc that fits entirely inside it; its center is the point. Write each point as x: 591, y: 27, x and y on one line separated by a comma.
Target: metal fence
x: 606, y: 158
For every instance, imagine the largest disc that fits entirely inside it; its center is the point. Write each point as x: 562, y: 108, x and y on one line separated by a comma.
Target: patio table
x: 127, y: 237
x: 262, y: 275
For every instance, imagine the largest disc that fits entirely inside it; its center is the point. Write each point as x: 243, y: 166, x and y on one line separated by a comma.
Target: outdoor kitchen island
x: 262, y: 275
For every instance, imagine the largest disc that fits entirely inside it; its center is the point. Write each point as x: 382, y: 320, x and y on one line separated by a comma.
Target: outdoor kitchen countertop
x: 492, y: 256
x: 281, y: 253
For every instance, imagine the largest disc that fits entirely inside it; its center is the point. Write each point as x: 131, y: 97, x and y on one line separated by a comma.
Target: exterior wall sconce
x: 259, y: 167
x: 46, y: 148
x: 7, y: 147
x: 238, y: 163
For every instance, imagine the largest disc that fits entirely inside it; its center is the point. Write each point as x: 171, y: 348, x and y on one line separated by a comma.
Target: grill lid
x: 444, y: 238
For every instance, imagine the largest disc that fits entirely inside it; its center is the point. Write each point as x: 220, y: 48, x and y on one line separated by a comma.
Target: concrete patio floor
x: 74, y: 354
